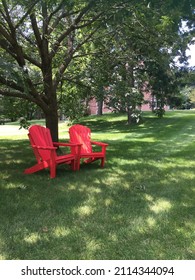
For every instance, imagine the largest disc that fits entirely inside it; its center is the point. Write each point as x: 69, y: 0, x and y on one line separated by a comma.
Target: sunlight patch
x: 113, y: 237
x: 2, y: 257
x: 85, y: 210
x: 61, y: 232
x: 32, y: 238
x: 148, y: 197
x: 95, y: 190
x: 115, y: 179
x: 108, y: 202
x: 92, y: 246
x: 71, y: 187
x: 145, y: 139
x: 11, y: 186
x: 4, y: 175
x: 161, y: 206
x: 151, y: 222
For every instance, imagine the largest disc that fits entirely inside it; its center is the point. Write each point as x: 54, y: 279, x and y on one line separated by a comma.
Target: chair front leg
x: 77, y: 162
x: 52, y: 165
x: 78, y: 157
x: 52, y: 170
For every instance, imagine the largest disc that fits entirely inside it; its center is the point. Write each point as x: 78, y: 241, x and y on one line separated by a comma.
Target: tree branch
x: 56, y: 10
x: 30, y: 98
x: 59, y: 40
x: 7, y: 17
x: 6, y: 35
x: 71, y: 28
x: 26, y: 14
x: 70, y: 56
x: 11, y: 84
x: 85, y: 40
x: 36, y: 29
x: 32, y: 60
x: 76, y: 82
x: 87, y: 23
x: 8, y: 48
x: 17, y: 94
x: 59, y: 18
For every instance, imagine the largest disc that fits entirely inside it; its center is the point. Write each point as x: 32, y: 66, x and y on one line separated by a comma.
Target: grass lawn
x: 140, y: 206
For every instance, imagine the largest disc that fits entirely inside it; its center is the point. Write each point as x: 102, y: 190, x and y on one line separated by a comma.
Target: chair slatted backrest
x: 40, y: 136
x: 82, y: 135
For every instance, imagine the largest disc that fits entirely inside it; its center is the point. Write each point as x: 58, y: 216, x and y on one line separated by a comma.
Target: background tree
x: 143, y: 36
x: 15, y: 108
x: 185, y: 99
x: 145, y: 40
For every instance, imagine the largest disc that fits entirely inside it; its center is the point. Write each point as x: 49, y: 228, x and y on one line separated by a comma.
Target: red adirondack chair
x: 45, y: 151
x: 82, y: 134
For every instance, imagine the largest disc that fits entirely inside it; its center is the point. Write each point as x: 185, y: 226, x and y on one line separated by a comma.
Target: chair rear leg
x: 73, y: 164
x: 102, y: 162
x: 35, y: 168
x: 77, y: 162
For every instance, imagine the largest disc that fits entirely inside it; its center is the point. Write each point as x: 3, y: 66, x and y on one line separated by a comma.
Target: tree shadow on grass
x: 97, y: 222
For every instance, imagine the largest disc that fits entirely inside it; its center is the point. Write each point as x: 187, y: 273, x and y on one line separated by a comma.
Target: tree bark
x: 100, y: 108
x: 129, y: 115
x: 51, y: 120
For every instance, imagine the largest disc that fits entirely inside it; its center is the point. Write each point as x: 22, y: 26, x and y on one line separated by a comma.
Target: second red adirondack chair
x: 82, y: 134
x: 45, y: 151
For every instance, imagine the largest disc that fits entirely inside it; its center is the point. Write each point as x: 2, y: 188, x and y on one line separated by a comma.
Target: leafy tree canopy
x: 46, y: 45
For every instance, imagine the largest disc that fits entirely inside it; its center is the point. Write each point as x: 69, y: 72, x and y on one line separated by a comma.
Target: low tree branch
x: 12, y: 93
x: 11, y: 84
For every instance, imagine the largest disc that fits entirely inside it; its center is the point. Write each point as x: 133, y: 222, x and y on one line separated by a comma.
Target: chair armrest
x: 44, y: 148
x: 75, y: 148
x: 66, y: 144
x: 99, y: 143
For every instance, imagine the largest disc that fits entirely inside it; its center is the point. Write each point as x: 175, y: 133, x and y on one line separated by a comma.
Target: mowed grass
x: 140, y: 206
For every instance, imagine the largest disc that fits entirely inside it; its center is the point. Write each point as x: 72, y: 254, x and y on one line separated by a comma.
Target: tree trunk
x: 129, y: 115
x: 153, y: 103
x: 100, y: 107
x: 52, y: 123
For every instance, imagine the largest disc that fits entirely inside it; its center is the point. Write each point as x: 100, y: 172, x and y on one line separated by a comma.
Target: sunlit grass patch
x: 161, y: 205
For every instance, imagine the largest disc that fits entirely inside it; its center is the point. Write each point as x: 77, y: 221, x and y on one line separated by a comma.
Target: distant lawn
x: 17, y: 123
x: 140, y: 206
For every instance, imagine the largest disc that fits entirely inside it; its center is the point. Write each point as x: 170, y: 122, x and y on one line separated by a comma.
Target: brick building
x: 146, y: 106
